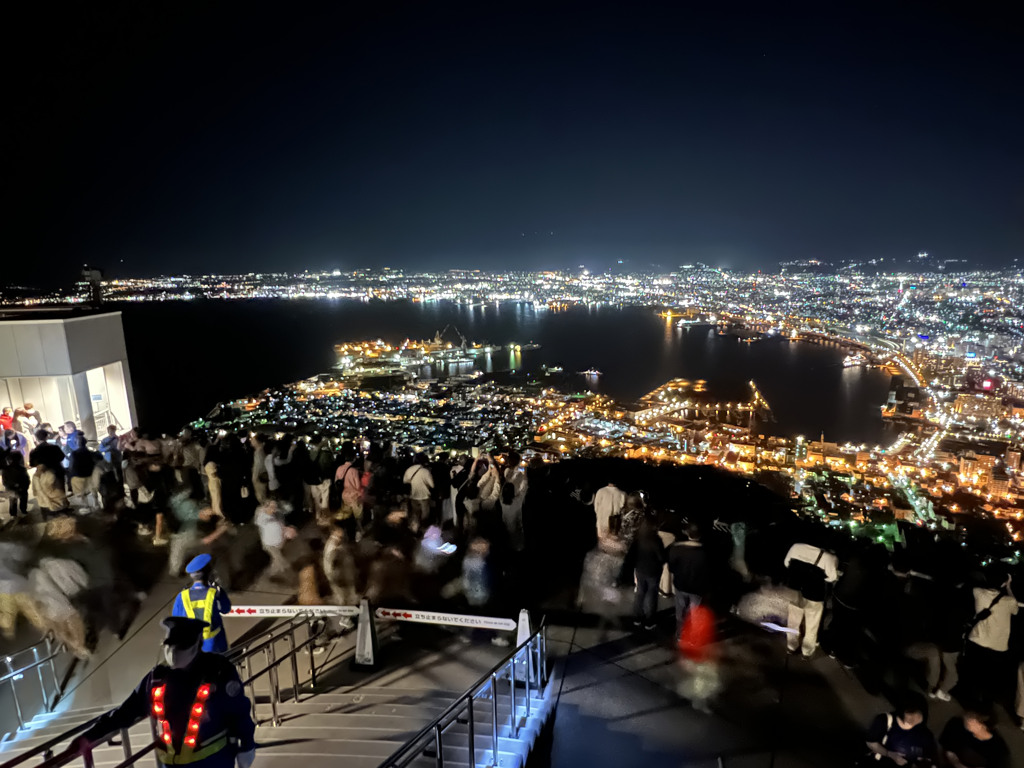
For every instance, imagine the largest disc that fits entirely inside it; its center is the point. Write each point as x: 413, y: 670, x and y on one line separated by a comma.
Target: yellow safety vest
x: 206, y: 604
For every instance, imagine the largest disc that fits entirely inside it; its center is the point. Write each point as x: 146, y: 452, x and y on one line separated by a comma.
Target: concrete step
x: 311, y: 752
x: 283, y: 760
x: 65, y: 720
x: 343, y: 702
x: 272, y: 759
x: 139, y: 735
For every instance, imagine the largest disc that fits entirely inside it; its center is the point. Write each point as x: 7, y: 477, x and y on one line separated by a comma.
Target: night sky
x: 235, y: 136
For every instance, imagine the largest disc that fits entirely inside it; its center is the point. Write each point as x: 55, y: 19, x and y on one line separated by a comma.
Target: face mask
x: 178, y: 658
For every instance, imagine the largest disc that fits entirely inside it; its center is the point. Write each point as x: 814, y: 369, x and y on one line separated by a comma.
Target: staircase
x: 365, y: 726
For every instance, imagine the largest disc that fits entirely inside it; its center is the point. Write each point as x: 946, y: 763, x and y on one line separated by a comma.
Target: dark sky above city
x: 239, y: 136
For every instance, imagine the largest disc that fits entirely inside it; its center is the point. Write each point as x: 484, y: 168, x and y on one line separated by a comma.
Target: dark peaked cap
x: 182, y: 632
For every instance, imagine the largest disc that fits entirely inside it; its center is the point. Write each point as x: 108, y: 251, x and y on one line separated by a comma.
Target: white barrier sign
x: 281, y: 611
x: 453, y: 619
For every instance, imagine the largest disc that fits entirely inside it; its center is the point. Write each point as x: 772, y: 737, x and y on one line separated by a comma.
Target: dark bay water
x: 186, y: 357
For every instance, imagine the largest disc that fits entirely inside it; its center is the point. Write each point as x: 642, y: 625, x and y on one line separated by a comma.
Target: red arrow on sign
x: 251, y: 611
x: 407, y: 615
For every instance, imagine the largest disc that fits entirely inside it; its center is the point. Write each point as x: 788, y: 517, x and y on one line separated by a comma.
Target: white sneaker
x: 940, y: 695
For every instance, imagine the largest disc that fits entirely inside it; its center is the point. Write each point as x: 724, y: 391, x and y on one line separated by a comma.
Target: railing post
x: 536, y: 664
x: 126, y: 744
x: 275, y: 692
x: 312, y: 665
x: 87, y: 758
x: 529, y: 676
x: 513, y: 728
x: 53, y: 668
x: 295, y: 665
x: 544, y: 653
x: 472, y: 731
x: 17, y: 704
x: 39, y: 673
x: 494, y: 718
x: 252, y: 685
x: 156, y: 740
x: 439, y: 747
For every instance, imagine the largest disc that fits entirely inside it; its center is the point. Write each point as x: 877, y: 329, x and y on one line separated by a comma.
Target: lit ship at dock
x: 377, y: 361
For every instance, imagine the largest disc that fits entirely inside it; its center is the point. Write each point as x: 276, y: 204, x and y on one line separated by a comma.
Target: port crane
x: 438, y: 336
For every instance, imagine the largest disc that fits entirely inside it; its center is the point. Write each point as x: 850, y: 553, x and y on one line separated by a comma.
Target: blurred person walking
x: 340, y: 566
x: 16, y: 483
x: 319, y: 473
x: 15, y: 442
x: 48, y: 488
x: 347, y: 490
x: 599, y: 592
x: 260, y: 471
x: 698, y: 663
x: 269, y: 520
x: 54, y: 583
x: 15, y: 591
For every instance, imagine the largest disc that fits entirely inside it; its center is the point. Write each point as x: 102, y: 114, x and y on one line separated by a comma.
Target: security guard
x: 199, y: 710
x: 204, y: 600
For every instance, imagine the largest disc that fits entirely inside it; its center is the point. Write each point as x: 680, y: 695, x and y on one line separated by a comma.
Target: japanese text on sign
x: 278, y: 611
x: 454, y: 619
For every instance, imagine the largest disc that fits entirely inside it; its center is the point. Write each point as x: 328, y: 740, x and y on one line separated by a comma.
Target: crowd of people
x: 334, y: 521
x: 923, y: 621
x: 489, y: 533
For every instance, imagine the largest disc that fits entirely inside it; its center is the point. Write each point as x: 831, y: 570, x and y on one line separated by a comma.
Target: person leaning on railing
x: 201, y: 715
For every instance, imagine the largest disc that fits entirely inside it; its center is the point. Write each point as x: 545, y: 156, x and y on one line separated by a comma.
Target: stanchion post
x: 513, y: 727
x: 472, y: 734
x: 494, y: 719
x: 295, y: 664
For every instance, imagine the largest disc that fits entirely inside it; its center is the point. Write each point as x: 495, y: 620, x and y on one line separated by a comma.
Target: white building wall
x: 45, y: 362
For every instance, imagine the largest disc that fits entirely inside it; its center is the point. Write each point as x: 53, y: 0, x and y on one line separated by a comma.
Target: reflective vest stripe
x: 189, y: 754
x: 168, y: 757
x: 206, y: 604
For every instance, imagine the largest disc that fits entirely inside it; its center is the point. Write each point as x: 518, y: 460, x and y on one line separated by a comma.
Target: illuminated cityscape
x: 951, y: 343
x: 441, y: 367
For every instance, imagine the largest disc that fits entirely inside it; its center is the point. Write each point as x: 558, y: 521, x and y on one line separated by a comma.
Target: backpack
x: 983, y: 614
x: 807, y: 578
x: 508, y: 493
x: 407, y: 487
x: 334, y: 501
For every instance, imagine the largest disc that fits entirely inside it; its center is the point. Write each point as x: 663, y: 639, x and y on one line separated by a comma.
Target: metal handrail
x: 13, y: 675
x: 273, y: 662
x: 47, y: 747
x: 535, y: 643
x: 239, y: 652
x: 19, y: 673
x: 265, y: 645
x: 27, y: 648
